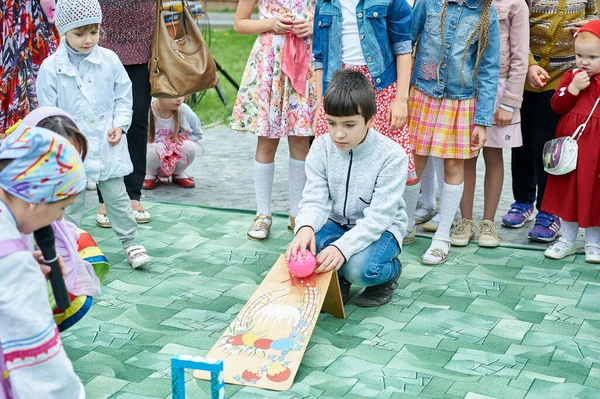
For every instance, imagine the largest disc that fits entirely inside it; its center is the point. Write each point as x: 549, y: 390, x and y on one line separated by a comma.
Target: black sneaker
x: 345, y: 289
x: 381, y: 294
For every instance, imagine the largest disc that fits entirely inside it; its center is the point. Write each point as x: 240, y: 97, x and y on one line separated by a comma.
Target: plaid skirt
x: 441, y: 127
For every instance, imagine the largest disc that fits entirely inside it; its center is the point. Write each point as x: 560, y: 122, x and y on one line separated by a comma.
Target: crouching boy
x: 352, y: 213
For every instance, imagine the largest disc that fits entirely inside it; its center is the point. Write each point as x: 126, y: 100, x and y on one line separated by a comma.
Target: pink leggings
x: 153, y: 162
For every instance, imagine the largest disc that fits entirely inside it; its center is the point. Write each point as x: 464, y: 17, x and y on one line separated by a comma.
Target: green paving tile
x: 479, y: 363
x: 320, y: 355
x: 501, y: 323
x: 103, y: 387
x: 589, y: 299
x: 549, y: 390
x: 452, y: 325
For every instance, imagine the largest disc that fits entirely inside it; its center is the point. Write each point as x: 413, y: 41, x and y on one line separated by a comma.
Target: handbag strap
x: 579, y: 131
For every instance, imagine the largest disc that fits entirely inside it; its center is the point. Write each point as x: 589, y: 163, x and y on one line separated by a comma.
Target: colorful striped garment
x: 27, y: 39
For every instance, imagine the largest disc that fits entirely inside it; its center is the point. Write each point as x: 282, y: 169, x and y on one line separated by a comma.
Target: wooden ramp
x: 265, y: 343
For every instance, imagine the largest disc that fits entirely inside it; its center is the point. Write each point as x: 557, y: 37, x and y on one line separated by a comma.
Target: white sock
x: 451, y: 196
x: 569, y: 231
x: 592, y: 235
x: 297, y: 180
x: 411, y: 197
x: 438, y: 164
x: 427, y: 197
x: 263, y: 186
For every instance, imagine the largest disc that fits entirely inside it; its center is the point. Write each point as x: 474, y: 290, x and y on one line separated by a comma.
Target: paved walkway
x: 224, y: 179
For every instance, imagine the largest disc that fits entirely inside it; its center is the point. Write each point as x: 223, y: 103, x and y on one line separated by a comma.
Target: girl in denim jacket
x: 513, y: 16
x: 455, y: 79
x: 373, y: 38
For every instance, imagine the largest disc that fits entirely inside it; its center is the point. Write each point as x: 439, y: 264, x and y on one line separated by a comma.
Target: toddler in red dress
x: 575, y: 196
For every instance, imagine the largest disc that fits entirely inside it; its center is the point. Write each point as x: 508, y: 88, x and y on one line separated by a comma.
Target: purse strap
x: 579, y: 131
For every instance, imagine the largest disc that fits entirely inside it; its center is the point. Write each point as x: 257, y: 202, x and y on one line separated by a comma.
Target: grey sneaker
x: 488, y: 237
x: 463, y: 233
x: 423, y: 214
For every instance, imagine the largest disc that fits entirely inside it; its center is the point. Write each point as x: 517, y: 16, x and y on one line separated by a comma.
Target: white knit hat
x: 72, y: 14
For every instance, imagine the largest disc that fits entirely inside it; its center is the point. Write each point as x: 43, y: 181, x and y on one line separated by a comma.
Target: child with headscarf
x: 41, y: 174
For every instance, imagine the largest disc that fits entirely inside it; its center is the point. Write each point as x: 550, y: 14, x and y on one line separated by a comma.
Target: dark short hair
x: 66, y: 127
x: 350, y: 93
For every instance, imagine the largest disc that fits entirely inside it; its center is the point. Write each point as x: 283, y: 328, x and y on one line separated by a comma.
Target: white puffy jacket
x: 99, y: 97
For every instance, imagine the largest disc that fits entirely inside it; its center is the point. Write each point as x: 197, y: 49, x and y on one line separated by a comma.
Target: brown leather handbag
x: 182, y: 65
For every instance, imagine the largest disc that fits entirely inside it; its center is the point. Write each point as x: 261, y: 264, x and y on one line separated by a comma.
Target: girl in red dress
x: 575, y: 196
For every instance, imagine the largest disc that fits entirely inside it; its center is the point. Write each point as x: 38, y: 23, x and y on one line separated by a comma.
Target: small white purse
x: 560, y: 155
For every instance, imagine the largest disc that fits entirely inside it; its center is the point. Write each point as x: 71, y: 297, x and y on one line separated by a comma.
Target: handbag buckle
x: 179, y: 54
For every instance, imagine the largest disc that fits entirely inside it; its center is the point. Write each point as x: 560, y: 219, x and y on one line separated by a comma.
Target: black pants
x: 137, y: 135
x: 538, y: 125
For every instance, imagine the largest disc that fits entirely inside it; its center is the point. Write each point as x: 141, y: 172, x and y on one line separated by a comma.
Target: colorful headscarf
x: 45, y: 166
x: 41, y: 113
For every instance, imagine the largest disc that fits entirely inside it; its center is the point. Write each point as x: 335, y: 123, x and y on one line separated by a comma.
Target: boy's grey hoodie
x: 361, y: 188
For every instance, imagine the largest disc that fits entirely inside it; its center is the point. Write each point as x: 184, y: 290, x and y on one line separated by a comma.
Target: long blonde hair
x: 481, y: 31
x: 152, y: 126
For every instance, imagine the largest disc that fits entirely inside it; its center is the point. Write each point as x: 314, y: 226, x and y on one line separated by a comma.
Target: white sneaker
x: 592, y: 252
x: 137, y: 256
x: 561, y: 249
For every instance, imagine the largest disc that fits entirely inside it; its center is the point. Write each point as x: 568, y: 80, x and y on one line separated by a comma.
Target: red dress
x: 575, y: 197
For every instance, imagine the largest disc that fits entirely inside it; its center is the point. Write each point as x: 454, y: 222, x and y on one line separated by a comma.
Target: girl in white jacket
x: 90, y: 83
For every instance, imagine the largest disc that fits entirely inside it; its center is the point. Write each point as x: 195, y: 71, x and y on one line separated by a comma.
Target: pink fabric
x: 296, y: 61
x: 79, y: 275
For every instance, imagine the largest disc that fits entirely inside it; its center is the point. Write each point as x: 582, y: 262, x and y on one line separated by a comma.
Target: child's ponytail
x: 152, y: 126
x: 481, y: 30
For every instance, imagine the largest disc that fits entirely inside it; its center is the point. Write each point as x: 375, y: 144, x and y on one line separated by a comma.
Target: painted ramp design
x: 265, y: 343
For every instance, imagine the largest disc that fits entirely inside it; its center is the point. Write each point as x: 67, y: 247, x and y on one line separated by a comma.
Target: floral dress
x: 27, y: 39
x: 267, y: 104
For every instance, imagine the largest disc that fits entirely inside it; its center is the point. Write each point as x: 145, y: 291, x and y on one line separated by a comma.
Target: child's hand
x: 305, y: 238
x: 537, y: 76
x: 329, y: 259
x: 397, y: 113
x: 114, y: 136
x: 580, y: 82
x: 503, y: 117
x: 302, y: 28
x: 478, y: 137
x: 281, y: 24
x: 37, y: 254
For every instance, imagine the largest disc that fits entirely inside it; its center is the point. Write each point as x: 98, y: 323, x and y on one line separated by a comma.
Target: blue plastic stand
x: 181, y: 362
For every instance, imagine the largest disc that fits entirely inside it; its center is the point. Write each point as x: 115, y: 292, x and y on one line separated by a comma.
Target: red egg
x: 235, y: 340
x: 280, y: 377
x: 263, y: 343
x: 249, y: 376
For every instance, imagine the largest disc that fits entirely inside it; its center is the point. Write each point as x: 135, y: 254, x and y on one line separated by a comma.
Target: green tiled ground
x: 497, y: 323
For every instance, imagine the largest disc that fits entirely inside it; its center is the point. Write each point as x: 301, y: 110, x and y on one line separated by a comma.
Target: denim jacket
x: 384, y: 29
x: 454, y: 79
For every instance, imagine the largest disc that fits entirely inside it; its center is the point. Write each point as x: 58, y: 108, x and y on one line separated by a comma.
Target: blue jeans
x: 376, y: 264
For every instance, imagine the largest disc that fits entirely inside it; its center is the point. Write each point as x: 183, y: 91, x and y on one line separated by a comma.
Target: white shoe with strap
x: 561, y: 249
x: 592, y: 252
x: 137, y: 256
x: 259, y: 230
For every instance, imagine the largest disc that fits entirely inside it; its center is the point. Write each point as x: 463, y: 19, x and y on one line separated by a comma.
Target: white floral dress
x: 267, y: 104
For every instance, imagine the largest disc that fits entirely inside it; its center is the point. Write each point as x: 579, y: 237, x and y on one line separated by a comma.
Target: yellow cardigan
x: 551, y: 44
